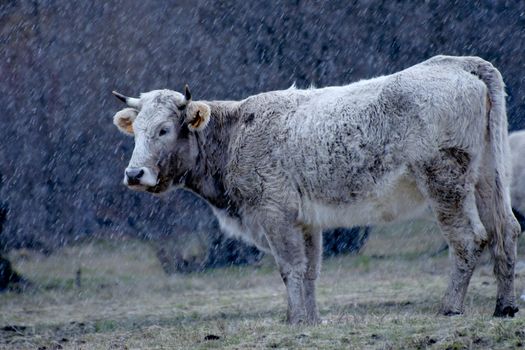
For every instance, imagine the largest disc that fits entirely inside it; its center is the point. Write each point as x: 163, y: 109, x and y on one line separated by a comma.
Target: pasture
x: 385, y: 298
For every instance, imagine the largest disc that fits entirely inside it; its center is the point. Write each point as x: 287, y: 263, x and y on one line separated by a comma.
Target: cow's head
x: 164, y: 124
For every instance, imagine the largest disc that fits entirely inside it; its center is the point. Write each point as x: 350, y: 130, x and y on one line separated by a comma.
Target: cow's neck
x: 207, y: 177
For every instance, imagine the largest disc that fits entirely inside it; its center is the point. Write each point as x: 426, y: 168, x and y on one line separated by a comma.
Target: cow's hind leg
x: 467, y: 238
x: 503, y: 229
x: 449, y: 183
x: 314, y: 253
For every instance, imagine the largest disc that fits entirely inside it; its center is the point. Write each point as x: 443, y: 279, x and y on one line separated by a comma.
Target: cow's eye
x: 163, y: 131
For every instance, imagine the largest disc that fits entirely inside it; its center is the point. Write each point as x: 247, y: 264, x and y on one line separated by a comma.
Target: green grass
x: 386, y: 298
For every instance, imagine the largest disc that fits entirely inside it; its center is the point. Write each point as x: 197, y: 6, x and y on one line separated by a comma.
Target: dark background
x: 62, y: 159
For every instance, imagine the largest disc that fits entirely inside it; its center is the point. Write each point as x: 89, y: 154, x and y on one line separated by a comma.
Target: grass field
x: 385, y: 298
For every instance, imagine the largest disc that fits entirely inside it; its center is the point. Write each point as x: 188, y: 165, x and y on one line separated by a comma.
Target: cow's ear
x: 197, y: 115
x: 124, y: 119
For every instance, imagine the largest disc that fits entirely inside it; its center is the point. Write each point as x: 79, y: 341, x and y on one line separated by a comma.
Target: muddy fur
x: 279, y: 167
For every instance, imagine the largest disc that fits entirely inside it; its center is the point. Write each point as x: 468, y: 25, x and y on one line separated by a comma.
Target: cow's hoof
x: 296, y: 320
x: 451, y: 313
x: 507, y: 311
x: 313, y: 321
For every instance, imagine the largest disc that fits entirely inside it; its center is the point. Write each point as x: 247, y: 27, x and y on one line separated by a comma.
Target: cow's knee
x: 514, y: 227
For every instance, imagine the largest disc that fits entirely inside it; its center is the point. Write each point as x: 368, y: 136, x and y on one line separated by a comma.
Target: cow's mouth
x: 161, y: 180
x: 138, y: 187
x: 157, y: 189
x: 162, y: 186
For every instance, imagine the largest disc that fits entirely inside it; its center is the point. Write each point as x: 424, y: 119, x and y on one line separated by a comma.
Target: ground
x: 114, y: 295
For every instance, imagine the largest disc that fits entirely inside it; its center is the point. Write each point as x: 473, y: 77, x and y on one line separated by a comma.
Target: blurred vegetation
x: 62, y: 158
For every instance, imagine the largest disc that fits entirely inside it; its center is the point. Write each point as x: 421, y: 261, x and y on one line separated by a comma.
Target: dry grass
x: 387, y: 297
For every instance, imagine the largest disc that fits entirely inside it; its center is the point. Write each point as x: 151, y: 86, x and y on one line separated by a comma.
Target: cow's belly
x: 401, y: 201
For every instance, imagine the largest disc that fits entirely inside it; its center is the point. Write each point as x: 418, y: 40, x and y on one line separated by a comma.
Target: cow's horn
x: 187, y: 93
x: 130, y: 101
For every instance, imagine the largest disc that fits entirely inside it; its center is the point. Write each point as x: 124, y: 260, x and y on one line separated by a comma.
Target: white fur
x: 400, y: 202
x: 234, y: 227
x: 517, y: 147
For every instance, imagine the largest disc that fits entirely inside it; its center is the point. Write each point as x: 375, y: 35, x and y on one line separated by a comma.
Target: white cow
x: 279, y: 167
x: 517, y: 190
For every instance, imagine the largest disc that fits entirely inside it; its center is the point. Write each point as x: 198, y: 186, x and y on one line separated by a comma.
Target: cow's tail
x: 497, y: 151
x: 493, y: 189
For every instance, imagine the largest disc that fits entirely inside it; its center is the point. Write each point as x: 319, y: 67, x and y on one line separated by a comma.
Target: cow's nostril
x: 133, y: 175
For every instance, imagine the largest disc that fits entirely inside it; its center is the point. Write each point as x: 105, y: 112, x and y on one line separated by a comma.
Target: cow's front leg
x: 314, y: 253
x: 293, y: 279
x: 288, y: 247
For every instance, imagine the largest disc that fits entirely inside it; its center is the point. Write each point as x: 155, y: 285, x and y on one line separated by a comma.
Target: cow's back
x: 356, y: 143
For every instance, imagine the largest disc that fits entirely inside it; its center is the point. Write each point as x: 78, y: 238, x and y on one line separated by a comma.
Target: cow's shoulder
x: 272, y: 102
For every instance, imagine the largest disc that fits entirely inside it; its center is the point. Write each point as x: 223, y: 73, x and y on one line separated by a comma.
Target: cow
x: 279, y: 167
x: 517, y: 145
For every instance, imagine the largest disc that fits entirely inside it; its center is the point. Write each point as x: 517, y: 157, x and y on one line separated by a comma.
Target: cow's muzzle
x: 140, y: 177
